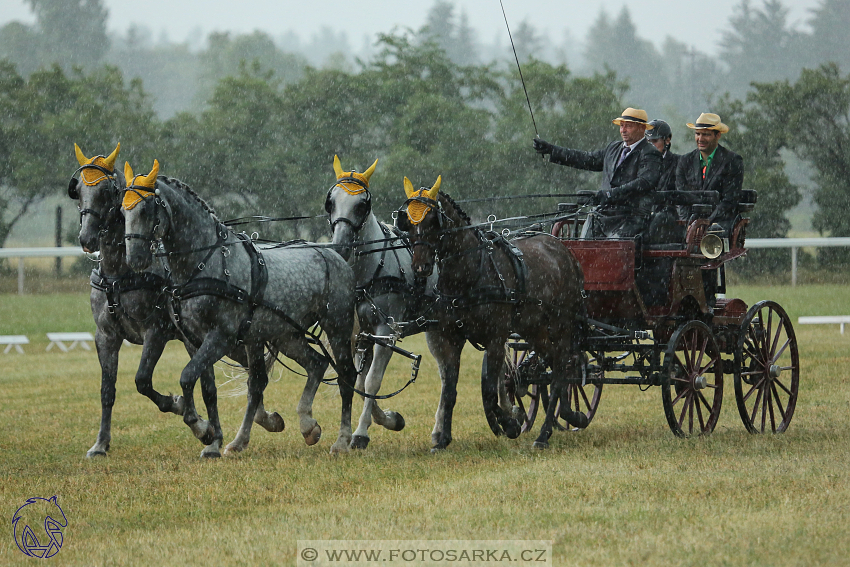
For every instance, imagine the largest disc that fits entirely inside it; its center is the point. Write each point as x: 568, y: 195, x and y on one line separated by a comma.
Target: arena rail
x: 793, y: 243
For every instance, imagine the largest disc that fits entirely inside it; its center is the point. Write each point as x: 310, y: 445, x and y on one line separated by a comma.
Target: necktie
x: 626, y: 151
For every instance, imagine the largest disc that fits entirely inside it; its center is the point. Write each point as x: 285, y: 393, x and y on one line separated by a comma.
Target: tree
x: 816, y: 113
x: 760, y: 46
x: 828, y: 42
x: 87, y: 43
x: 50, y: 111
x: 617, y: 47
x: 758, y: 137
x: 456, y: 38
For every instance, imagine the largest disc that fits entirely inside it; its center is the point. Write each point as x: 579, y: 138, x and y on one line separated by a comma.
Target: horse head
x: 348, y: 204
x: 145, y: 216
x: 97, y: 192
x: 422, y: 218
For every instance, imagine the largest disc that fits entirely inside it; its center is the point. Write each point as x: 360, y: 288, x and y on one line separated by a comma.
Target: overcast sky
x: 699, y: 24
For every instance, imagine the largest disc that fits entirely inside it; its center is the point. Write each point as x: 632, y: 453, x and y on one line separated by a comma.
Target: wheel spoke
x: 679, y: 396
x: 778, y: 401
x: 699, y: 411
x: 756, y: 404
x: 584, y: 397
x: 765, y: 400
x: 684, y: 411
x: 781, y: 385
x: 779, y: 328
x: 768, y: 333
x: 698, y: 359
x: 770, y: 408
x: 691, y: 405
x: 778, y: 354
x: 755, y: 387
x: 709, y: 365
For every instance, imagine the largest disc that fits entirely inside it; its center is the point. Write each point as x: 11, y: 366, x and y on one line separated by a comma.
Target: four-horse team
x: 558, y: 305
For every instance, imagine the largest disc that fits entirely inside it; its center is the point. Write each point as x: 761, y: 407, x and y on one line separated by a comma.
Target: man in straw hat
x: 711, y: 167
x: 630, y: 172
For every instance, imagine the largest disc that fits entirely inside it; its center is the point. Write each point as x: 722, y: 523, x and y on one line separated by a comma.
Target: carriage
x: 657, y: 315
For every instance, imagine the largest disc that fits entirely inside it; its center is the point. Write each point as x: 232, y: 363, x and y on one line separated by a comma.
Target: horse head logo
x: 39, y: 512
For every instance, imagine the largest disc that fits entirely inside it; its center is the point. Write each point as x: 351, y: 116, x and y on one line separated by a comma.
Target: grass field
x: 623, y: 492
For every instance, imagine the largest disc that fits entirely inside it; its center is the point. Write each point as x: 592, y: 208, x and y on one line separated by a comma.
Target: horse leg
x: 492, y: 370
x: 258, y: 378
x: 270, y: 421
x: 215, y: 346
x: 447, y: 354
x: 346, y: 377
x: 108, y: 346
x: 154, y: 344
x: 389, y: 419
x: 210, y: 394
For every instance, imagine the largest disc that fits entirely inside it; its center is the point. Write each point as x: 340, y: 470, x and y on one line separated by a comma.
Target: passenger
x: 661, y: 136
x: 664, y: 228
x: 711, y: 167
x: 630, y: 172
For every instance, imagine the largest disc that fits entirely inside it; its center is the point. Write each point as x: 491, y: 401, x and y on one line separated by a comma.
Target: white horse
x: 385, y: 284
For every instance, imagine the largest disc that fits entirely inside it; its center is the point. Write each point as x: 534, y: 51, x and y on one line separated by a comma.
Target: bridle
x: 74, y: 193
x: 329, y: 204
x: 148, y: 198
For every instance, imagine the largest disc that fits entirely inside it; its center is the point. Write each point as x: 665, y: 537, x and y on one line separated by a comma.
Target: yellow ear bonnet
x: 137, y: 186
x: 353, y: 188
x: 416, y: 210
x: 91, y: 176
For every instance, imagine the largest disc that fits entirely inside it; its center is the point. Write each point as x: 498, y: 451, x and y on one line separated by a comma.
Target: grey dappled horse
x: 489, y: 288
x: 384, y: 279
x: 229, y: 294
x: 131, y: 306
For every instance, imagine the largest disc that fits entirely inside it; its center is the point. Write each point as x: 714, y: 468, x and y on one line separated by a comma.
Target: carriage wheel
x: 767, y: 369
x: 583, y: 399
x: 529, y: 399
x: 692, y: 380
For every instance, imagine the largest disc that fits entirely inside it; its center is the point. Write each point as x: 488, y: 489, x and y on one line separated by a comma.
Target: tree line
x: 264, y: 140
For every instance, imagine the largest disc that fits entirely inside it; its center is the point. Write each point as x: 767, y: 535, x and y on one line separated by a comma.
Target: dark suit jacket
x: 726, y: 176
x: 667, y: 182
x: 631, y: 183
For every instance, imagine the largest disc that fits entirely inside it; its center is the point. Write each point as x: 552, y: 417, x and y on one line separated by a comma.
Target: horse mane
x: 177, y: 184
x: 463, y: 216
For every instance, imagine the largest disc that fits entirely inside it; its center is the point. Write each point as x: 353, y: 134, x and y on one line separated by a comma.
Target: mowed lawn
x: 623, y: 492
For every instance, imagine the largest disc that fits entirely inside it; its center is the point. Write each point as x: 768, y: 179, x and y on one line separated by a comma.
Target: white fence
x: 793, y: 243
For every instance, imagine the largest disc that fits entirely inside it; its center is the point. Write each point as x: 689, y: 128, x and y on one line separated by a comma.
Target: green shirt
x: 706, y: 163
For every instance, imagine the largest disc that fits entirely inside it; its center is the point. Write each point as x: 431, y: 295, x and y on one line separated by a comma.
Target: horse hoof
x: 312, y: 437
x: 209, y: 436
x: 513, y: 429
x: 232, y: 451
x: 359, y: 442
x: 575, y: 418
x: 398, y: 422
x: 540, y: 445
x: 178, y: 405
x: 437, y: 449
x: 276, y: 423
x: 210, y: 455
x: 339, y: 448
x: 95, y: 454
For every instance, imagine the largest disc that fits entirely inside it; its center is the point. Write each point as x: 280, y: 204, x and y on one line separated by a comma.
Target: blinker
x: 73, y: 192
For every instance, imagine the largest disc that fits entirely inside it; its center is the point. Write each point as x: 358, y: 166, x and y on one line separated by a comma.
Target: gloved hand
x: 542, y: 147
x: 601, y: 198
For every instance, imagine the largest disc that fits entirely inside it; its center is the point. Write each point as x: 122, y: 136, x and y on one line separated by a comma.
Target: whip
x: 520, y: 69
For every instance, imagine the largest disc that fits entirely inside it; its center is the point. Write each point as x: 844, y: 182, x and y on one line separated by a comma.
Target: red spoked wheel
x: 582, y: 398
x: 767, y: 369
x: 528, y: 399
x: 523, y: 366
x: 692, y: 380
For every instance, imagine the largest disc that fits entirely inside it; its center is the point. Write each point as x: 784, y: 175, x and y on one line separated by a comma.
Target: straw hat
x: 708, y: 121
x: 634, y: 115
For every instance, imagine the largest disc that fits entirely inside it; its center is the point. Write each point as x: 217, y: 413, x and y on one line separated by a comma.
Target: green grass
x: 623, y: 492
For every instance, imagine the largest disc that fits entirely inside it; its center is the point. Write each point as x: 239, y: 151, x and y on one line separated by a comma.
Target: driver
x: 630, y: 170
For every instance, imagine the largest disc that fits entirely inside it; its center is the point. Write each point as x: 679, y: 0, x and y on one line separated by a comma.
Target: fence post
x: 793, y: 266
x: 20, y: 275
